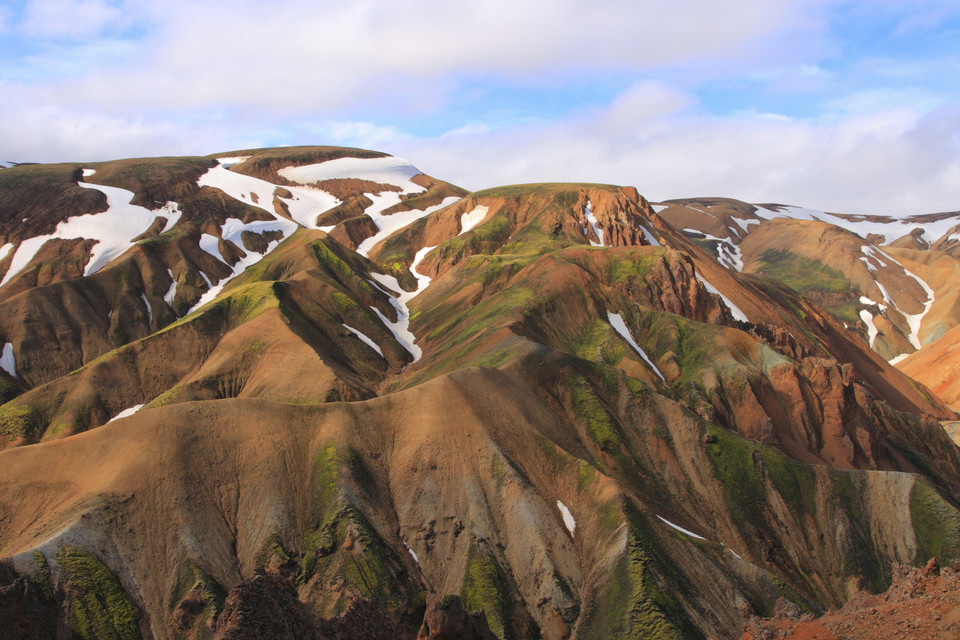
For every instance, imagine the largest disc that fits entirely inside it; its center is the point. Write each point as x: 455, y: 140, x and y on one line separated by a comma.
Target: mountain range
x: 312, y: 392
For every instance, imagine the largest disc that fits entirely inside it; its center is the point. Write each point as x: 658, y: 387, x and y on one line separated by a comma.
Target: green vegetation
x: 485, y: 589
x: 589, y: 408
x: 813, y: 279
x: 99, y: 607
x: 936, y: 524
x: 637, y: 605
x: 17, y: 420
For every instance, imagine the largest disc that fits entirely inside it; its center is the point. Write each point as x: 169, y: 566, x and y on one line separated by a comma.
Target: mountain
x: 293, y: 392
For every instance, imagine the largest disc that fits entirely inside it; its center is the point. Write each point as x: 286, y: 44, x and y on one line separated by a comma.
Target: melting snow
x: 734, y: 309
x: 5, y: 249
x: 146, y: 303
x: 728, y: 253
x: 207, y: 280
x: 914, y: 320
x: 113, y: 229
x: 412, y: 554
x: 7, y: 361
x: 872, y: 332
x: 211, y: 244
x: 126, y: 412
x: 681, y: 529
x: 568, y: 520
x: 592, y: 220
x: 387, y: 170
x: 473, y: 218
x: 616, y: 321
x: 88, y: 172
x: 652, y: 239
x: 305, y: 205
x: 892, y: 229
x: 389, y: 225
x: 171, y: 293
x: 401, y: 328
x: 364, y: 338
x: 744, y: 224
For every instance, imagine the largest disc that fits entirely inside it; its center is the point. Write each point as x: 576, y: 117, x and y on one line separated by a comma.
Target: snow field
x: 593, y: 222
x: 126, y: 412
x: 364, y: 338
x: 734, y: 309
x: 472, y: 218
x: 401, y: 328
x: 681, y: 529
x: 568, y: 520
x: 616, y: 321
x: 388, y: 170
x: 7, y: 360
x: 113, y: 229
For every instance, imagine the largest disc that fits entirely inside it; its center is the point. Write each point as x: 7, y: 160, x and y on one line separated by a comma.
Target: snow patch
x: 681, y: 529
x: 207, y: 280
x: 364, y: 338
x: 872, y: 332
x: 126, y: 412
x: 401, y: 328
x: 568, y: 520
x: 734, y: 309
x: 211, y: 244
x: 171, y: 293
x: 728, y: 253
x: 389, y: 225
x: 473, y: 218
x: 744, y: 224
x: 146, y: 303
x: 616, y: 321
x: 7, y: 360
x: 889, y: 227
x: 5, y: 249
x: 898, y: 359
x: 113, y: 229
x: 652, y: 239
x: 304, y: 207
x: 412, y: 554
x: 657, y: 208
x: 594, y: 224
x: 387, y: 170
x: 915, y: 320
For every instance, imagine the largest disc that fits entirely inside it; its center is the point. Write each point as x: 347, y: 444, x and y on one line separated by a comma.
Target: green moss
x: 272, y: 548
x: 813, y: 279
x: 99, y: 607
x: 484, y: 589
x: 190, y: 577
x: 17, y: 420
x: 634, y: 265
x: 936, y: 524
x: 637, y: 605
x: 589, y: 408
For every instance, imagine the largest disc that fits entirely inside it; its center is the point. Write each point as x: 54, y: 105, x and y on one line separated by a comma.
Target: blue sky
x: 842, y: 105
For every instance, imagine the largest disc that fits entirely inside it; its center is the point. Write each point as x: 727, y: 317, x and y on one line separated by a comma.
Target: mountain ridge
x: 545, y: 399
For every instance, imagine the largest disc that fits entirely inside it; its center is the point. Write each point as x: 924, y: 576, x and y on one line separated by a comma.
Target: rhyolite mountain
x: 312, y: 392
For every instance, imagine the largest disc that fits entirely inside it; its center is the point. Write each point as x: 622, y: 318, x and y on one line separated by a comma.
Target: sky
x: 849, y: 106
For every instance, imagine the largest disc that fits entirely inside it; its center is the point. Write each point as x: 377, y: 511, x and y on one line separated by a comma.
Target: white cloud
x: 298, y: 55
x: 69, y: 18
x: 893, y: 162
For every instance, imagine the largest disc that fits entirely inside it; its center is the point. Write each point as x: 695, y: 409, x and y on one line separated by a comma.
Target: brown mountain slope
x: 874, y: 273
x: 542, y: 398
x: 470, y: 487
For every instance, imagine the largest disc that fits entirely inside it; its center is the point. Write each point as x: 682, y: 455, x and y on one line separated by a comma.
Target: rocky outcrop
x: 446, y: 619
x: 921, y: 603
